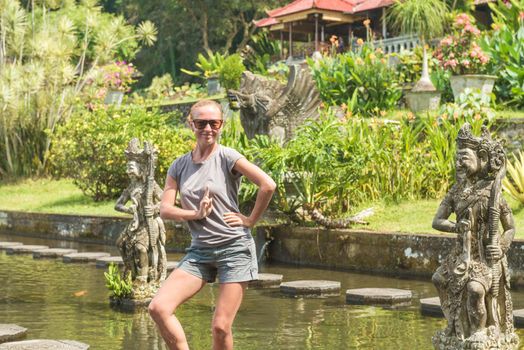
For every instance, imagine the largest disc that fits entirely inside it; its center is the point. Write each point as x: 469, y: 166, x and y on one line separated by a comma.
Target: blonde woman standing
x: 208, y: 179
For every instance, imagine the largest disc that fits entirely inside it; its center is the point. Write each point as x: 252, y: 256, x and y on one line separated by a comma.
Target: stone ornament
x: 142, y: 244
x: 473, y: 280
x: 271, y: 108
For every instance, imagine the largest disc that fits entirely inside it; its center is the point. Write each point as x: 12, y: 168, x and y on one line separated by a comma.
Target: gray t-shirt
x: 217, y: 173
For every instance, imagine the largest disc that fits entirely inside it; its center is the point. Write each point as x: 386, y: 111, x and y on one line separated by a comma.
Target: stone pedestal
x: 420, y: 101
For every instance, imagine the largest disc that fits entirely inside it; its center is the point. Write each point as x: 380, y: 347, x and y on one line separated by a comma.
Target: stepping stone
x: 266, y: 280
x: 518, y: 317
x: 104, y: 262
x: 25, y: 249
x: 171, y: 265
x: 431, y: 306
x: 52, y: 253
x: 380, y: 296
x: 84, y: 257
x: 310, y: 288
x: 42, y: 344
x: 10, y: 332
x: 5, y: 245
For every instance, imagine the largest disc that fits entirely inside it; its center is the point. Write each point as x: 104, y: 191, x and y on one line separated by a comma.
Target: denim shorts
x: 232, y: 262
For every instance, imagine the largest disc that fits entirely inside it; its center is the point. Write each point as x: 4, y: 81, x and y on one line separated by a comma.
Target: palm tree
x: 423, y: 18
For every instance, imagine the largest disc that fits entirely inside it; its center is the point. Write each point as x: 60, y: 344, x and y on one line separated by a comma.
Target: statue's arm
x: 121, y: 203
x: 441, y: 221
x: 508, y: 225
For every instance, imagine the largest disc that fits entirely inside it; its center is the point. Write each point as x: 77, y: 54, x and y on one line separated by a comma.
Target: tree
x: 422, y: 18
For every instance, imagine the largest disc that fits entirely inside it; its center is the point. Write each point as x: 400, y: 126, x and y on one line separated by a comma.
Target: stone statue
x: 473, y: 280
x: 272, y: 108
x: 142, y: 244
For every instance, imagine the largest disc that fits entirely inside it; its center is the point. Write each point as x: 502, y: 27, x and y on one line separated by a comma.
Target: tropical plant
x: 209, y: 66
x: 89, y: 147
x: 513, y: 183
x: 365, y: 71
x: 260, y: 52
x: 46, y: 59
x: 231, y: 72
x: 120, y: 287
x: 423, y: 19
x: 161, y: 87
x: 505, y: 46
x: 460, y: 53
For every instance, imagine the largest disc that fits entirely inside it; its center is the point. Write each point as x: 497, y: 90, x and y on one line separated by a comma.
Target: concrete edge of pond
x: 384, y: 253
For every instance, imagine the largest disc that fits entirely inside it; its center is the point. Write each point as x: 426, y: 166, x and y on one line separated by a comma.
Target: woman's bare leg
x: 176, y: 289
x: 228, y: 303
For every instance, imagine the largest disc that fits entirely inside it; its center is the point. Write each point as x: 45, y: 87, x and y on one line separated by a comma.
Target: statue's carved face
x: 468, y: 162
x: 133, y: 169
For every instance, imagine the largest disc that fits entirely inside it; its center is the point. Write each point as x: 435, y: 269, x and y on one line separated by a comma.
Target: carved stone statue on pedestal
x: 143, y: 240
x: 473, y: 280
x: 271, y: 108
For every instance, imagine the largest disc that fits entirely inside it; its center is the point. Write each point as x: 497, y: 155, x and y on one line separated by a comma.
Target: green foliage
x: 46, y: 60
x: 260, y: 52
x: 505, y: 45
x: 507, y: 13
x: 365, y: 71
x: 120, y: 287
x: 513, y: 183
x: 160, y: 87
x: 231, y: 72
x: 208, y: 66
x: 421, y: 18
x: 89, y: 148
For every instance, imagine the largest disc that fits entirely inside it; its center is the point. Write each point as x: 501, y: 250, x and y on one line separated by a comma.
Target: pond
x: 69, y: 301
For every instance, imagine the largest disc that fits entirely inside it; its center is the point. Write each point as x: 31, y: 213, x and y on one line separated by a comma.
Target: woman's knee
x: 221, y: 327
x: 158, y: 310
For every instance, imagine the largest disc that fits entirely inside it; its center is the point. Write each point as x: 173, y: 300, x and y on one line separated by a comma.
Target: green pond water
x: 69, y: 301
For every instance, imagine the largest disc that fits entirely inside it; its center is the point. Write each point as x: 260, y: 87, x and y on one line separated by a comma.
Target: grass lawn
x: 52, y: 196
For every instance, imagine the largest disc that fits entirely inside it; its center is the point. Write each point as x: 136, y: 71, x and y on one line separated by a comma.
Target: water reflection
x: 69, y: 301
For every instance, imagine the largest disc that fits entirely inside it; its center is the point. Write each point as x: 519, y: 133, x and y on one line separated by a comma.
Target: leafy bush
x: 231, y: 72
x: 120, y: 287
x: 513, y: 183
x: 259, y: 53
x: 365, y: 71
x: 505, y: 45
x: 161, y: 87
x: 207, y: 66
x: 89, y: 148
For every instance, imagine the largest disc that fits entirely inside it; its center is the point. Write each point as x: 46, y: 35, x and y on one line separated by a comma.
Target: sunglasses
x: 215, y: 124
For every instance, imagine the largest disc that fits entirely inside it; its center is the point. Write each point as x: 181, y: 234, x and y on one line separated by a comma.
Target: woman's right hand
x: 206, y: 206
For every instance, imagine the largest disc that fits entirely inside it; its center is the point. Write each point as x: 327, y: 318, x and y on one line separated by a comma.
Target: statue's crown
x: 494, y: 148
x: 134, y: 152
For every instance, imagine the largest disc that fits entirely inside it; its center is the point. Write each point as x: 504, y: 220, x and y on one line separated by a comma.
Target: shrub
x: 89, y: 148
x: 231, y: 72
x: 513, y: 184
x: 365, y: 71
x: 119, y: 286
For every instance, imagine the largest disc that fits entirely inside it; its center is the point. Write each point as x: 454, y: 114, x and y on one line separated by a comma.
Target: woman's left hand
x: 237, y: 219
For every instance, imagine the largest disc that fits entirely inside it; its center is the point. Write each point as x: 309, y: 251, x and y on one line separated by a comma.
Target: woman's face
x: 207, y: 124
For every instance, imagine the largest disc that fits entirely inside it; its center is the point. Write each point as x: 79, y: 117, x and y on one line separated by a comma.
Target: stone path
x: 310, y: 288
x: 44, y: 344
x: 25, y: 249
x: 52, y: 253
x: 10, y: 332
x: 5, y: 245
x: 380, y: 296
x: 266, y: 280
x: 104, y: 262
x: 431, y: 306
x: 84, y: 257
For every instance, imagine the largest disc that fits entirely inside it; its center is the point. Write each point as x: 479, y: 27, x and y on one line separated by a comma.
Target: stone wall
x: 512, y: 131
x: 93, y: 229
x: 401, y: 254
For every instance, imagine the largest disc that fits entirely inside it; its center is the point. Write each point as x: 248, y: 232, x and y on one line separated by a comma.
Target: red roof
x: 264, y: 22
x: 304, y: 5
x: 365, y: 5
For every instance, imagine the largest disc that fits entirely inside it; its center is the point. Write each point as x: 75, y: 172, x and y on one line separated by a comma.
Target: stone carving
x: 142, y: 244
x: 473, y: 280
x: 272, y: 108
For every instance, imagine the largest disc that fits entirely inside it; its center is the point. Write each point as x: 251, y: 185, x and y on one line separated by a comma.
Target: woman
x: 208, y: 179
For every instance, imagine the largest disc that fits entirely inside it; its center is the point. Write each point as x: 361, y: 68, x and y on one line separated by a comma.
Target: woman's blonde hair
x: 202, y: 103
